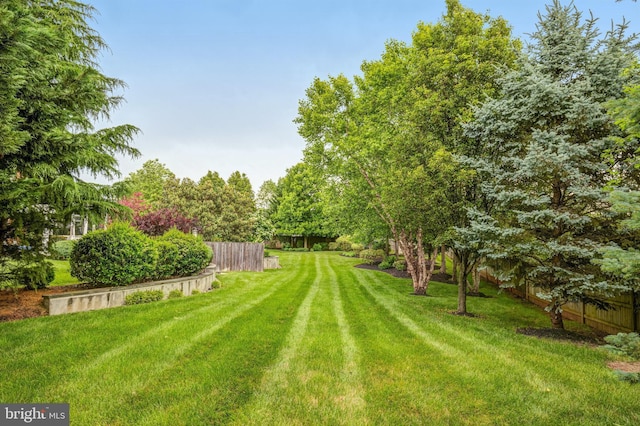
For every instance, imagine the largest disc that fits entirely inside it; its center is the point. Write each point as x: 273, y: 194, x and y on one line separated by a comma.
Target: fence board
x: 622, y: 318
x: 238, y: 256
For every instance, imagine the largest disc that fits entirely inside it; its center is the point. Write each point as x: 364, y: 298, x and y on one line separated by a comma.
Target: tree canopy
x: 52, y: 94
x: 389, y: 138
x: 544, y: 171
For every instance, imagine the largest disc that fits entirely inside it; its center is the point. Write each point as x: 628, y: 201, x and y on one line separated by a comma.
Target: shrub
x: 344, y: 243
x: 193, y: 254
x: 34, y: 275
x: 357, y: 247
x: 158, y: 222
x: 624, y: 344
x: 349, y: 254
x: 318, y: 247
x: 174, y: 294
x: 195, y: 291
x: 400, y: 265
x: 140, y: 297
x: 116, y: 256
x: 372, y: 256
x: 61, y: 250
x: 167, y: 256
x: 628, y: 377
x: 333, y: 246
x: 387, y: 263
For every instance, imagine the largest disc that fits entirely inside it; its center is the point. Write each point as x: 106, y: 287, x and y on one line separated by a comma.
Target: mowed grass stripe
x: 356, y: 318
x: 216, y: 378
x: 266, y: 404
x: 401, y: 382
x: 507, y: 376
x: 484, y: 343
x: 84, y: 344
x: 103, y: 377
x: 316, y: 375
x: 158, y: 347
x: 351, y: 376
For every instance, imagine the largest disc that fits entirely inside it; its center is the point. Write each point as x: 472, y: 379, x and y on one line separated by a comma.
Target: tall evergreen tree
x: 543, y: 167
x: 51, y: 95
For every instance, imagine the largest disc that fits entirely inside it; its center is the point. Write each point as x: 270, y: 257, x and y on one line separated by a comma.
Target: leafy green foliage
x: 299, y: 203
x: 400, y: 265
x: 386, y: 141
x: 624, y: 344
x: 224, y: 211
x: 140, y: 297
x: 117, y: 256
x: 149, y: 181
x: 387, y: 263
x: 628, y: 377
x: 372, y: 256
x: 168, y: 254
x: 342, y: 243
x: 52, y: 94
x: 193, y: 255
x: 34, y: 275
x: 61, y: 250
x: 174, y: 294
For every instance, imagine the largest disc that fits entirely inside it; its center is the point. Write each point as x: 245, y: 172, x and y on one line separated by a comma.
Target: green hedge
x: 193, y: 254
x: 116, y: 256
x: 121, y: 255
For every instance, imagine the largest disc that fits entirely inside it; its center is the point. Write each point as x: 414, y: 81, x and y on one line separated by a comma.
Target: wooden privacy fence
x: 238, y: 256
x: 624, y: 317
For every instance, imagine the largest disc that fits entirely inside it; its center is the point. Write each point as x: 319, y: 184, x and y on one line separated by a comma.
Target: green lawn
x: 317, y: 342
x: 63, y: 277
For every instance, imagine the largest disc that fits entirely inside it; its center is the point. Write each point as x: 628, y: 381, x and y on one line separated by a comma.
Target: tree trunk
x: 462, y: 294
x: 414, y: 255
x: 443, y: 260
x: 462, y: 284
x: 476, y: 281
x: 555, y: 314
x: 454, y: 278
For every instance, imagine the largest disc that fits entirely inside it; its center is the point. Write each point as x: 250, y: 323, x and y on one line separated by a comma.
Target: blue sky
x: 215, y: 84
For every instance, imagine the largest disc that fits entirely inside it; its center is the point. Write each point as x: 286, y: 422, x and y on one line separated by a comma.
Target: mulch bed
x: 627, y: 367
x: 590, y: 338
x: 391, y: 271
x: 442, y: 278
x: 21, y: 304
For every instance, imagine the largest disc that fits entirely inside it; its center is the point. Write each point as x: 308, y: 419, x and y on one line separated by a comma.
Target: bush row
x: 121, y: 255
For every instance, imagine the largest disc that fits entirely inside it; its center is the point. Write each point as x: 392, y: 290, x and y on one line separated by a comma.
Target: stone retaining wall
x: 101, y: 298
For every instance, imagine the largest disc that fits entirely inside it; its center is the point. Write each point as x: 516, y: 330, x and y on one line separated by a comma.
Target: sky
x: 215, y: 84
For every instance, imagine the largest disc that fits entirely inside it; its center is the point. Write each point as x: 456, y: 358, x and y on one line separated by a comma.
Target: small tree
x: 158, y: 222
